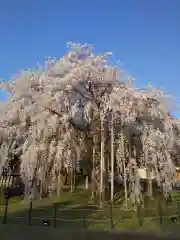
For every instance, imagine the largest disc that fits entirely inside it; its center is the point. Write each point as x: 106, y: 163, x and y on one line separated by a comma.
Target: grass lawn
x: 16, y: 232
x: 74, y: 211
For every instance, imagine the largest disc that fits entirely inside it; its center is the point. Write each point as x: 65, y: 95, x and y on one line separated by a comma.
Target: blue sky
x: 143, y: 35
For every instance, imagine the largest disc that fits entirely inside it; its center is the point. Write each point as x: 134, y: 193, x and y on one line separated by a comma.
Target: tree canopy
x: 53, y: 111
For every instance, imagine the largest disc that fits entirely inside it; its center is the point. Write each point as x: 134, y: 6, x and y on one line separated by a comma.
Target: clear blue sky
x: 143, y: 34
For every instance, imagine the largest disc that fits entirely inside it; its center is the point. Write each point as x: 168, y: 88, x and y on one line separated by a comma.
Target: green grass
x: 76, y: 211
x: 36, y: 233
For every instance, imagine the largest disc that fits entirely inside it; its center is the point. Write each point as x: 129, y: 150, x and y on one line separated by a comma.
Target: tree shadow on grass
x: 166, y: 225
x: 67, y: 215
x: 16, y: 232
x: 74, y: 222
x: 64, y: 215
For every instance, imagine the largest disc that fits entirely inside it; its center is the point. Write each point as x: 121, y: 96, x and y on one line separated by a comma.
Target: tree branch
x: 71, y: 121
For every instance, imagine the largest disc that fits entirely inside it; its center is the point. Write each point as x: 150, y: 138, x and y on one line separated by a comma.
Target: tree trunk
x: 150, y: 194
x: 112, y: 159
x: 93, y: 170
x: 86, y: 182
x: 66, y: 178
x: 102, y: 164
x: 72, y: 182
x: 59, y: 184
x: 41, y: 189
x: 124, y: 168
x: 74, y: 173
x: 125, y: 184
